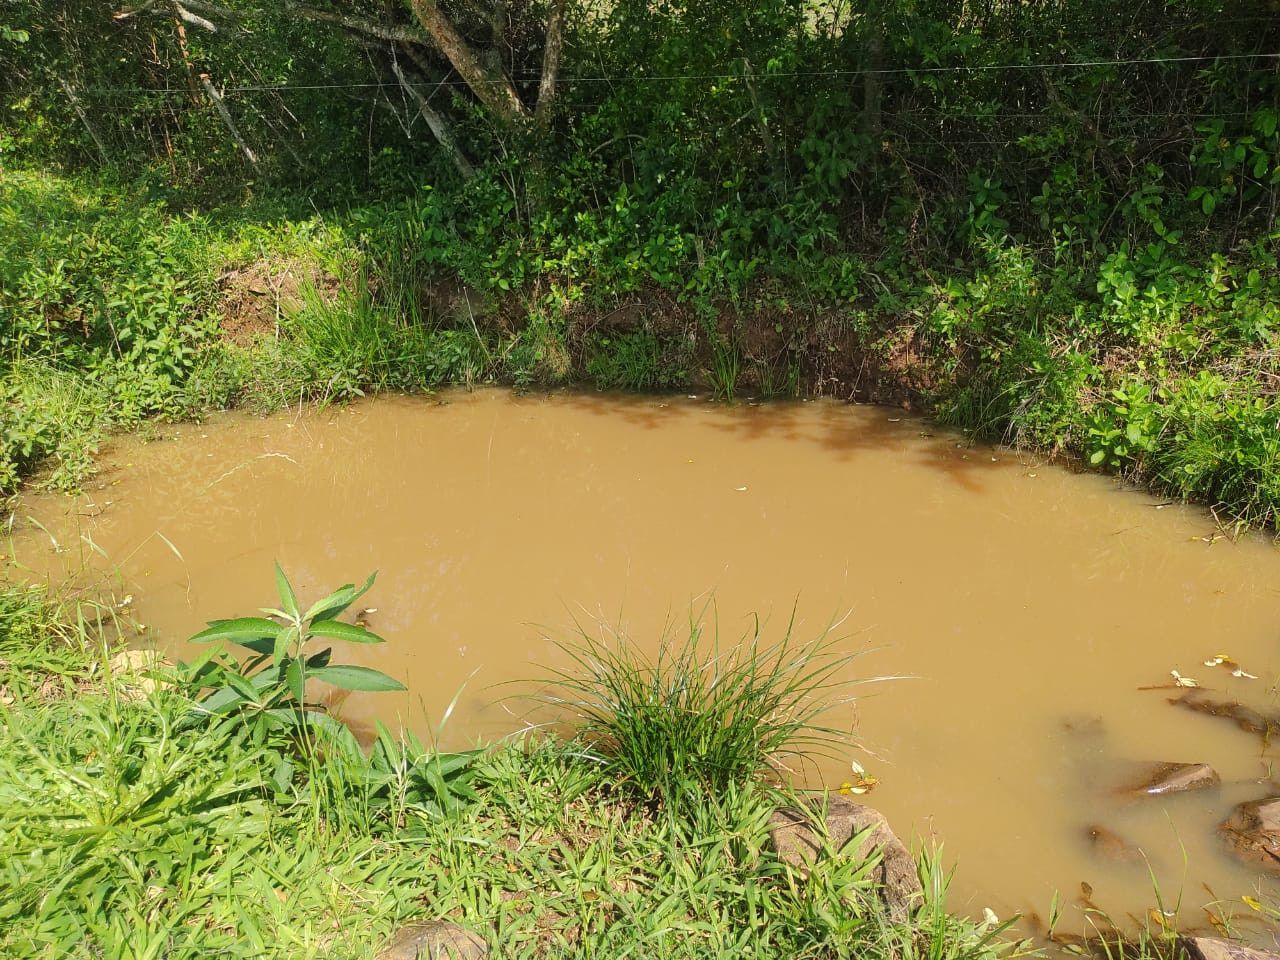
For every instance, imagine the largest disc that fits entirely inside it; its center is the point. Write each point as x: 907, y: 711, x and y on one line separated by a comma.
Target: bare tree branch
x: 439, y: 126
x: 192, y: 19
x: 491, y: 86
x: 76, y: 105
x: 552, y: 50
x: 229, y: 123
x: 372, y: 28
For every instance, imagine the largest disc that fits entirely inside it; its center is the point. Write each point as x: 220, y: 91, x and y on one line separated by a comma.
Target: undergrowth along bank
x: 145, y: 813
x: 117, y: 309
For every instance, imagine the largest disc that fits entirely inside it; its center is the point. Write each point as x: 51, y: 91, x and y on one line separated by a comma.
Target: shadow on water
x: 844, y: 431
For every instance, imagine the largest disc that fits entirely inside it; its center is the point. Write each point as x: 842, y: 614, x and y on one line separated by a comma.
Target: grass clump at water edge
x: 699, y: 716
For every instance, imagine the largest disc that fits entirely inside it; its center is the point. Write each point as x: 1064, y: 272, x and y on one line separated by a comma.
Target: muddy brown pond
x: 1035, y: 615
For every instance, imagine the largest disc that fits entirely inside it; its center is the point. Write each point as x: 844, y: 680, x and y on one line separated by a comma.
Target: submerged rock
x: 799, y: 841
x: 1111, y: 847
x: 437, y: 940
x: 1211, y: 948
x: 1253, y: 830
x: 1246, y: 718
x: 1159, y: 779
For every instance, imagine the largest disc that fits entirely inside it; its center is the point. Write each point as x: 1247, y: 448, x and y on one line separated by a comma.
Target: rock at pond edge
x: 1253, y: 830
x: 437, y: 940
x: 1211, y: 948
x: 798, y: 842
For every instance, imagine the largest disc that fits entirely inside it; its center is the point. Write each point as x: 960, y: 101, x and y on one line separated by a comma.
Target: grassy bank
x: 1159, y: 367
x: 141, y: 815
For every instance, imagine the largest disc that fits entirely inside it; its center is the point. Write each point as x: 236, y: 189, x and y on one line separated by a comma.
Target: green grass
x: 635, y: 360
x: 701, y: 715
x: 136, y: 825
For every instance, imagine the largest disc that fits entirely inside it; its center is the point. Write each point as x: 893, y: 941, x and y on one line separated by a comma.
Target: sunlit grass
x: 701, y: 714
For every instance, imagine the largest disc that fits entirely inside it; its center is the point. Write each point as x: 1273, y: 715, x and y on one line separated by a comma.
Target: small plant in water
x: 698, y: 717
x: 269, y: 687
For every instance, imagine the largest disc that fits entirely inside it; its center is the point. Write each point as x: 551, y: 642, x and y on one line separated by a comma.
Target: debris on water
x: 862, y: 781
x: 741, y: 489
x: 1180, y: 681
x: 860, y: 786
x: 989, y: 917
x: 1225, y: 660
x: 895, y: 419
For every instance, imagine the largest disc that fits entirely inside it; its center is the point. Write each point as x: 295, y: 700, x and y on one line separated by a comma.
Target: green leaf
x: 349, y: 677
x: 332, y: 605
x: 284, y: 640
x: 287, y: 599
x: 294, y: 677
x: 195, y: 668
x: 222, y: 700
x: 337, y: 630
x: 320, y: 659
x: 256, y: 628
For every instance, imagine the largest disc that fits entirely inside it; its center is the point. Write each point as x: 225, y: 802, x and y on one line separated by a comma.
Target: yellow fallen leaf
x: 1252, y: 903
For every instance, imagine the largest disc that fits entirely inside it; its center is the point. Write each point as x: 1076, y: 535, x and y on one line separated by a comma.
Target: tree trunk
x: 491, y: 87
x: 552, y: 51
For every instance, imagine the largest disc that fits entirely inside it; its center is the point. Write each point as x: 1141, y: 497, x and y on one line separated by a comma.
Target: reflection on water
x: 1037, y: 613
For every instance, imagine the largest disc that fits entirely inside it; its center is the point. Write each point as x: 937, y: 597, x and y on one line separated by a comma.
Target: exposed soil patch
x: 256, y: 296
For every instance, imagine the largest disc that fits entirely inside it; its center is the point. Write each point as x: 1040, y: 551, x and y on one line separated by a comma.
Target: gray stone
x: 1253, y: 830
x: 1211, y: 948
x: 437, y: 940
x: 798, y: 842
x: 1161, y: 779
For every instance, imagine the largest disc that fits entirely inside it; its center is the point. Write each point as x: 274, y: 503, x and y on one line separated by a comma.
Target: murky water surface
x: 1032, y: 609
